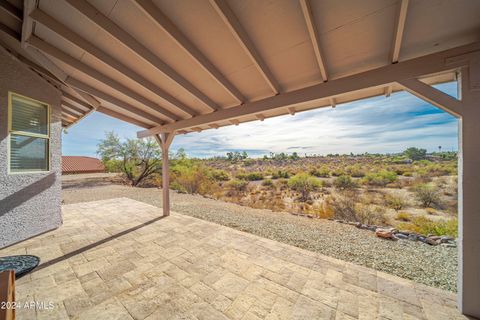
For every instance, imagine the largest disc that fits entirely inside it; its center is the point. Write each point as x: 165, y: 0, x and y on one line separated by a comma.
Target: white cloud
x: 373, y: 125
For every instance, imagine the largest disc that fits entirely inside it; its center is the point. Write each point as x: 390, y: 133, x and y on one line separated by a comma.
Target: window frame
x: 11, y: 96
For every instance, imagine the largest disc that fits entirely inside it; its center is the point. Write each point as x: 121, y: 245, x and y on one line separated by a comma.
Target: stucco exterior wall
x: 30, y: 203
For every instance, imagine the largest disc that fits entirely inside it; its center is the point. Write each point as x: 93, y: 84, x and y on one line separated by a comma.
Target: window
x: 29, y: 128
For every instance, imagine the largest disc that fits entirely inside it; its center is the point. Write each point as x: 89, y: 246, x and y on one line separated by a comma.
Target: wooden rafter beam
x: 260, y: 117
x: 291, y: 111
x: 113, y: 100
x: 76, y: 100
x: 93, y: 73
x: 314, y: 38
x: 333, y: 102
x: 9, y: 31
x: 214, y: 126
x: 398, y: 37
x: 399, y: 28
x: 243, y: 39
x: 70, y: 114
x: 27, y: 22
x: 161, y: 20
x: 60, y: 29
x: 53, y: 74
x: 433, y: 96
x: 123, y: 117
x: 73, y: 107
x: 376, y: 78
x: 140, y: 50
x: 11, y: 10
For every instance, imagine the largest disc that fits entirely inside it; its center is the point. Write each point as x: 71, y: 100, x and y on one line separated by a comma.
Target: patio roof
x: 181, y: 66
x: 119, y: 259
x: 195, y: 65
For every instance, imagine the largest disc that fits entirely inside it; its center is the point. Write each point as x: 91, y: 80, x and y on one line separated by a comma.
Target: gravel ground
x: 433, y: 266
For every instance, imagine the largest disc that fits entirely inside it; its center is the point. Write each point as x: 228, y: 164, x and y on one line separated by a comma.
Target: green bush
x: 427, y: 195
x: 344, y: 182
x: 194, y: 179
x: 322, y: 172
x: 280, y: 174
x: 304, y: 183
x: 267, y: 183
x: 220, y: 175
x: 238, y: 185
x: 355, y: 171
x: 381, y: 178
x: 404, y: 216
x: 394, y: 202
x: 425, y: 226
x: 252, y: 176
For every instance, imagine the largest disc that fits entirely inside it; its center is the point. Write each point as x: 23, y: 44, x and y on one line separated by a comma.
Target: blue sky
x: 375, y: 125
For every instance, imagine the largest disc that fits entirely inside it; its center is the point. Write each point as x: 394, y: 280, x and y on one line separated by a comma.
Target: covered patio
x: 120, y: 259
x: 177, y: 67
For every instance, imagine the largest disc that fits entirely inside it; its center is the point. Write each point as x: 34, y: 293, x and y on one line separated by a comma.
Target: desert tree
x: 137, y: 158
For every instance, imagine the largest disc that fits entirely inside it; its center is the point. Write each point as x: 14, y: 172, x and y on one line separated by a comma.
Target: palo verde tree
x: 137, y: 159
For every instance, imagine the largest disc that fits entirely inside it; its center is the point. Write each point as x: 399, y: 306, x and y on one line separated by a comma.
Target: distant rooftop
x: 81, y: 164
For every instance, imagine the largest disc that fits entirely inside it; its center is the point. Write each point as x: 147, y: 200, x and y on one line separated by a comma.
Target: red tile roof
x: 80, y: 164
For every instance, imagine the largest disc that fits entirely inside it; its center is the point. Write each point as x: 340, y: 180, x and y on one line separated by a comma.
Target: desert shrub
x: 304, y: 183
x: 355, y: 171
x: 282, y: 184
x: 369, y: 214
x: 404, y: 216
x: 344, y: 182
x: 425, y: 226
x: 251, y: 176
x: 322, y: 172
x: 381, y: 178
x: 337, y: 172
x: 281, y: 174
x: 348, y: 206
x: 325, y: 211
x: 267, y: 183
x: 220, y: 175
x: 343, y: 207
x: 192, y: 179
x: 238, y: 185
x: 427, y: 195
x: 396, y: 203
x: 248, y: 162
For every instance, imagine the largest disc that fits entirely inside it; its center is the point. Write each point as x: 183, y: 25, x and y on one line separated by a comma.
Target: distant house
x: 80, y: 164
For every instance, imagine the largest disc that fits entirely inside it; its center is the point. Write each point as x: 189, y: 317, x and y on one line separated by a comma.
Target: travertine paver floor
x: 116, y: 259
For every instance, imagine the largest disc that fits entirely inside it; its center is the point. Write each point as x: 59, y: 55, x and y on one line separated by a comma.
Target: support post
x: 468, y: 193
x: 165, y: 140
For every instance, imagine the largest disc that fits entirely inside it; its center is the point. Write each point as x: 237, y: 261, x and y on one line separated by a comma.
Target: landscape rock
x: 401, y: 236
x: 447, y: 239
x: 413, y: 237
x: 385, y: 233
x: 433, y: 241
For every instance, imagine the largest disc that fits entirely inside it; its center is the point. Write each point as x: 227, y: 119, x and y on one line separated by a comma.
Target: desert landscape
x: 332, y: 204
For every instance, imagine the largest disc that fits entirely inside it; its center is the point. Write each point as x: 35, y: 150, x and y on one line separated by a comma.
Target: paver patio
x: 119, y: 259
